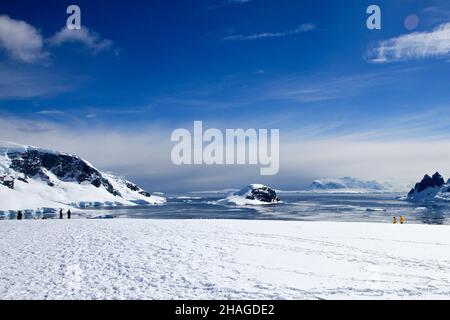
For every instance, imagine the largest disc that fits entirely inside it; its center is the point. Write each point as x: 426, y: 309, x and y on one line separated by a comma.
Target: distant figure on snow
x: 402, y: 219
x: 394, y: 220
x: 61, y: 214
x: 19, y: 215
x: 69, y: 214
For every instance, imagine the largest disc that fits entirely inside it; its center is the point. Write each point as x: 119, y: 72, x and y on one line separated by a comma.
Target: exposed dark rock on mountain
x: 255, y: 192
x: 436, y: 181
x: 37, y: 177
x: 7, y: 181
x: 66, y: 167
x: 263, y: 194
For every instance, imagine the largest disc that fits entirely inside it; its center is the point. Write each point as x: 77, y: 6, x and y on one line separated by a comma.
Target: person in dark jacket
x: 69, y: 213
x: 61, y: 214
x: 19, y: 215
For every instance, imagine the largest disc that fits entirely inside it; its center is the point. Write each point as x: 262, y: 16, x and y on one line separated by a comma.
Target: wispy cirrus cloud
x: 239, y: 1
x: 21, y: 41
x: 416, y: 45
x: 435, y: 15
x: 225, y: 3
x: 437, y: 12
x: 51, y: 112
x: 326, y: 87
x: 391, y: 149
x: 264, y: 35
x: 24, y: 43
x: 90, y: 39
x: 20, y: 82
x: 285, y: 89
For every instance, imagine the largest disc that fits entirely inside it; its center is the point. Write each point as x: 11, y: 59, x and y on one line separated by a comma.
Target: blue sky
x: 310, y: 68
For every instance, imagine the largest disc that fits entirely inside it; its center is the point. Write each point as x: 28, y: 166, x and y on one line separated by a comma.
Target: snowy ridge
x: 11, y: 147
x: 41, y: 180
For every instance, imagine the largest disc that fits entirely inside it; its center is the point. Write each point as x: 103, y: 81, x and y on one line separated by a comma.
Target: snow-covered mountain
x: 348, y: 184
x: 430, y: 188
x: 253, y: 194
x: 37, y: 179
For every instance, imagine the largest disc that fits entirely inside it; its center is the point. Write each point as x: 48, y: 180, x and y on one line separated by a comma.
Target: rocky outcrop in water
x: 430, y: 188
x: 436, y: 181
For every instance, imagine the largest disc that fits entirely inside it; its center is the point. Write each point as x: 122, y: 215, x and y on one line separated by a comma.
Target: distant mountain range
x: 36, y: 179
x: 350, y: 185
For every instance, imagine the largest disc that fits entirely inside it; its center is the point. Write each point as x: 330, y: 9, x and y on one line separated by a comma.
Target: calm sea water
x: 301, y: 207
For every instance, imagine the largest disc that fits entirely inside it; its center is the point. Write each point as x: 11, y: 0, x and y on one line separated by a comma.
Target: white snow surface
x: 37, y: 195
x: 222, y: 259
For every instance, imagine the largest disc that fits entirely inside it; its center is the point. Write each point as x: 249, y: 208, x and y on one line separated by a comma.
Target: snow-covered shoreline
x: 222, y: 259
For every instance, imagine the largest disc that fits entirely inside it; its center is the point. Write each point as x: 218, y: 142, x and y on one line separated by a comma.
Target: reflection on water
x: 305, y: 207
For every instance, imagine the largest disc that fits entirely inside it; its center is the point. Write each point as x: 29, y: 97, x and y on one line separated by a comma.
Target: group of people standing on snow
x: 69, y: 214
x: 402, y: 220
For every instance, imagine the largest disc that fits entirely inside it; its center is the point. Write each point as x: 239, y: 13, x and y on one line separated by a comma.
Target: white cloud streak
x: 301, y: 29
x: 437, y: 13
x: 90, y: 39
x: 143, y: 154
x: 24, y: 43
x: 416, y: 45
x: 315, y: 89
x: 239, y: 1
x: 21, y: 41
x: 51, y: 113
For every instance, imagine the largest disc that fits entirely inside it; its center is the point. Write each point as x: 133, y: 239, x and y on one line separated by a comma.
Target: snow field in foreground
x: 222, y: 259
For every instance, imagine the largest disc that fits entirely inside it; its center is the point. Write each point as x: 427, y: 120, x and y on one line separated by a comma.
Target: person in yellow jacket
x: 394, y: 220
x: 402, y: 219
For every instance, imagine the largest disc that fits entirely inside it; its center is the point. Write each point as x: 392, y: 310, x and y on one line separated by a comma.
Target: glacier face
x: 33, y: 178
